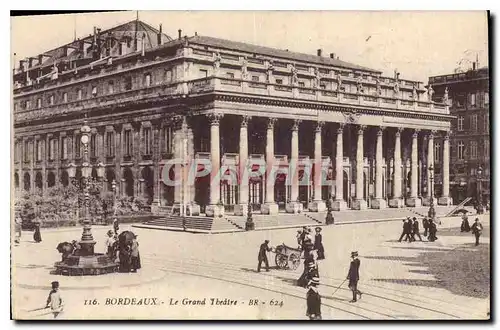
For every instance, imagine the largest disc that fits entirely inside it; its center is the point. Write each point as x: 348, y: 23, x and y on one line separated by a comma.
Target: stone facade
x: 203, y: 100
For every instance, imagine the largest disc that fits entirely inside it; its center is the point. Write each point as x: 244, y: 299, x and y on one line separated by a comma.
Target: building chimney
x: 30, y: 62
x: 319, y: 52
x: 195, y: 33
x: 473, y: 65
x: 40, y: 59
x: 332, y: 55
x: 180, y: 33
x: 21, y: 65
x: 159, y: 37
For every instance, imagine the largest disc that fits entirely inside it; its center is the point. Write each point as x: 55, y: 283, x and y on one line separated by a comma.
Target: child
x: 54, y: 301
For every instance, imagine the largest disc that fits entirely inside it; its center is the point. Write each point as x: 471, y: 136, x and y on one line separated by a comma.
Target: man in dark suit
x: 353, y: 276
x: 477, y: 229
x: 264, y: 248
x: 415, y: 230
x: 425, y: 224
x: 406, y: 230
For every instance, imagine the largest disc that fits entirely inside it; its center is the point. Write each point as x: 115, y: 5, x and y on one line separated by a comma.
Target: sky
x: 418, y: 44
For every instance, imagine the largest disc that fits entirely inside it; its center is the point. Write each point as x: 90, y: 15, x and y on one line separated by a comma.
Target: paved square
x: 445, y: 279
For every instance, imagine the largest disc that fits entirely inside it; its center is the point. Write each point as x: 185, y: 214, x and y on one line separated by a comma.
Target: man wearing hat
x: 415, y: 230
x: 318, y: 244
x: 264, y: 248
x: 477, y: 229
x: 313, y: 300
x: 54, y: 301
x: 406, y: 230
x: 353, y: 276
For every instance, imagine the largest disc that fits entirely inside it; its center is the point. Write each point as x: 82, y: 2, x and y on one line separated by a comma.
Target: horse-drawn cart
x: 287, y: 257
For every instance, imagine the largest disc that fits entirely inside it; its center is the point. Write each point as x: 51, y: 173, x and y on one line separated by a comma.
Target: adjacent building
x: 214, y: 103
x: 469, y: 103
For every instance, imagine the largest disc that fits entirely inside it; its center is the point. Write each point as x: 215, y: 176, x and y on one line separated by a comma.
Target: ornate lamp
x: 479, y: 190
x: 432, y: 211
x: 71, y: 170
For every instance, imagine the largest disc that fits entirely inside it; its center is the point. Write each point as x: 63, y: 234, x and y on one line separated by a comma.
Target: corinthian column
x: 318, y: 205
x: 359, y: 202
x: 214, y: 209
x: 446, y: 199
x: 270, y: 206
x: 242, y: 207
x: 339, y: 203
x: 430, y: 162
x: 379, y: 202
x: 396, y: 200
x: 294, y: 206
x: 414, y: 200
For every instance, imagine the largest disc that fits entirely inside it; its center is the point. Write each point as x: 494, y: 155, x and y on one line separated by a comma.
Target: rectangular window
x: 28, y: 104
x: 460, y: 125
x: 279, y: 81
x: 52, y: 149
x: 79, y: 94
x: 65, y: 97
x: 473, y: 99
x: 51, y: 100
x: 64, y: 148
x: 147, y: 79
x: 128, y: 83
x: 39, y: 103
x: 322, y: 86
x: 110, y: 144
x: 229, y: 75
x: 255, y: 78
x: 302, y: 84
x: 168, y: 140
x: 486, y: 123
x: 127, y: 140
x: 437, y: 152
x: 487, y: 149
x: 486, y: 98
x: 26, y: 151
x: 168, y: 76
x: 474, y: 123
x: 93, y: 145
x: 94, y: 91
x: 111, y: 87
x: 460, y: 150
x: 77, y: 146
x: 203, y: 73
x: 473, y: 149
x: 38, y: 150
x: 147, y: 141
x: 15, y: 106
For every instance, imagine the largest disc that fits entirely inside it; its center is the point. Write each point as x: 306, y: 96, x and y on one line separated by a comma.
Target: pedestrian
x: 299, y: 239
x: 353, y: 276
x: 432, y: 231
x: 313, y: 300
x: 406, y: 230
x: 135, y: 257
x: 415, y: 230
x: 425, y: 224
x: 318, y: 244
x: 18, y: 229
x: 37, y: 237
x: 124, y: 251
x: 110, y: 241
x: 465, y: 226
x: 54, y: 300
x: 264, y: 248
x: 477, y: 229
x: 116, y: 226
x: 310, y: 270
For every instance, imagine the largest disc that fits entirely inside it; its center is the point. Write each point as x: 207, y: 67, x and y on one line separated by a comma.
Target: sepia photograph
x: 250, y: 165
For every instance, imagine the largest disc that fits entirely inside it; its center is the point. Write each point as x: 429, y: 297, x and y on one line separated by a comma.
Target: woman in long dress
x: 318, y: 244
x: 37, y: 237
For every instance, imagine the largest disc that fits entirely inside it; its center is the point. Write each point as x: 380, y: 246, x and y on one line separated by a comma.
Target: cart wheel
x: 294, y: 261
x: 281, y: 260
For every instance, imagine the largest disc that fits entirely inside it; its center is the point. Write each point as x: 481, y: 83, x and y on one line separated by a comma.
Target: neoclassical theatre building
x: 150, y: 98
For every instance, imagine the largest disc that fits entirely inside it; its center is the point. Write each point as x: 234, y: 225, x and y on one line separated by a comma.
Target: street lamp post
x: 87, y: 241
x: 432, y: 211
x: 113, y: 187
x: 479, y: 190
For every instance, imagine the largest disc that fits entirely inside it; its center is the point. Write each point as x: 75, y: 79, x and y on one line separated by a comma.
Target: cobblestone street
x: 446, y: 279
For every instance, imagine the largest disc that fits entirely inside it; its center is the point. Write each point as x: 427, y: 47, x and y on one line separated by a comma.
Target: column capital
x: 245, y: 120
x: 380, y: 130
x: 447, y: 135
x: 361, y: 129
x: 296, y: 124
x: 431, y: 134
x: 416, y: 131
x: 340, y: 129
x: 214, y: 118
x: 319, y: 126
x: 271, y: 122
x: 398, y: 131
